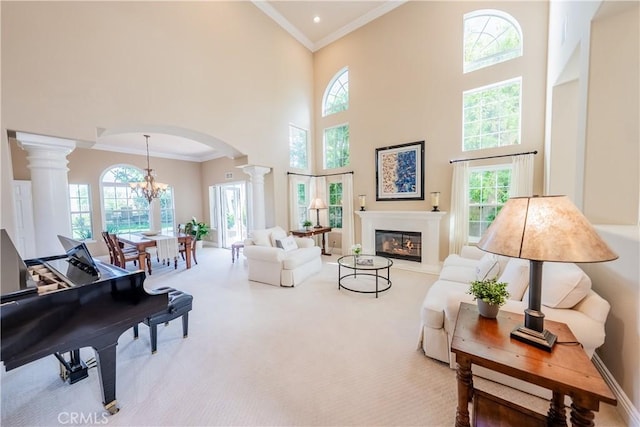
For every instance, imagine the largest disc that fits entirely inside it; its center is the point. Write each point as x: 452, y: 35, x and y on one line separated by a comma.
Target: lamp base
x: 362, y: 208
x: 317, y: 226
x: 543, y: 340
x: 435, y: 209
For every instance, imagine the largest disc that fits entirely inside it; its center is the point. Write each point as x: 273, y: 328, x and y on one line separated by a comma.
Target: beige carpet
x: 263, y: 355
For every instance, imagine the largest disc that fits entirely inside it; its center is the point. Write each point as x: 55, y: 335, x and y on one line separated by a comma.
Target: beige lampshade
x: 544, y: 228
x: 318, y: 204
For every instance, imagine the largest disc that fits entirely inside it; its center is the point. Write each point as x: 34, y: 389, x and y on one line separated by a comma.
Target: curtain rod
x: 314, y: 176
x: 493, y: 157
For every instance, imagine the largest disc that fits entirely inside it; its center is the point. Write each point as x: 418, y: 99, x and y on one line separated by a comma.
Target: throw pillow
x: 563, y: 284
x: 516, y: 275
x: 488, y: 267
x: 288, y: 243
x: 277, y: 233
x: 260, y: 237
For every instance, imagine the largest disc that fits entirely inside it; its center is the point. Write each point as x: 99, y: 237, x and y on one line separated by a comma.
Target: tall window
x: 167, y: 211
x: 80, y: 208
x: 490, y: 37
x: 298, y: 149
x: 124, y: 209
x: 302, y: 203
x: 335, y: 204
x: 336, y: 95
x: 491, y: 115
x: 488, y: 192
x: 336, y: 146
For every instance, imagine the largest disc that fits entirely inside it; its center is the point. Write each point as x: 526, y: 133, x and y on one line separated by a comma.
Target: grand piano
x: 56, y: 305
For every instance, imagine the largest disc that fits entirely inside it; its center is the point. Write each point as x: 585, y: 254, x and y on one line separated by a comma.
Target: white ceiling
x: 337, y: 19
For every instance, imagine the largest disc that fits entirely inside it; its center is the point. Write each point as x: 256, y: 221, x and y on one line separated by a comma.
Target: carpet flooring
x: 259, y: 355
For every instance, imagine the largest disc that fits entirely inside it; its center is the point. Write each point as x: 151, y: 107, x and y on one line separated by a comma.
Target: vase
x: 199, y: 244
x: 488, y: 310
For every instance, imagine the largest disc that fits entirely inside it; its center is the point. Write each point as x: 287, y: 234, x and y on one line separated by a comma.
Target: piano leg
x: 106, y: 358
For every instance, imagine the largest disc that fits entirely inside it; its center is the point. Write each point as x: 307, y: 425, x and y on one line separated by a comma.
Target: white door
x: 230, y: 209
x: 25, y: 236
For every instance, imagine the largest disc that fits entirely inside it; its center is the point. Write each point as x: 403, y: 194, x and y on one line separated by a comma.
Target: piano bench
x: 180, y: 304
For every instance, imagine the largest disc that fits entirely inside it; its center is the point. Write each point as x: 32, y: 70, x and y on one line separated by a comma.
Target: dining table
x: 141, y: 242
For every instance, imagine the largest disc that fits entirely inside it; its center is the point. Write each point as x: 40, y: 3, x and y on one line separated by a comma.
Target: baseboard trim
x: 625, y: 407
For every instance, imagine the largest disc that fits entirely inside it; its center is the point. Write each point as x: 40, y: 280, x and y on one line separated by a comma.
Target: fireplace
x: 406, y: 245
x: 425, y: 223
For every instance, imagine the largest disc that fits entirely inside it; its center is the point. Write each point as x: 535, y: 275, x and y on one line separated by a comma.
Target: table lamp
x: 317, y: 204
x: 542, y: 228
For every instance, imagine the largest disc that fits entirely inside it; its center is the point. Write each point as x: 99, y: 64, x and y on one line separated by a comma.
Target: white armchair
x: 280, y: 260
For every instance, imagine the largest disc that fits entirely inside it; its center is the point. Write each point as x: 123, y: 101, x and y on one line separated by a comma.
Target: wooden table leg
x: 323, y: 252
x: 187, y: 253
x: 465, y: 391
x: 557, y: 414
x: 142, y: 260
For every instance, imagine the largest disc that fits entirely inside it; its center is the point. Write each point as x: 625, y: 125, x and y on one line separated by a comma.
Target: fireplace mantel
x: 425, y: 222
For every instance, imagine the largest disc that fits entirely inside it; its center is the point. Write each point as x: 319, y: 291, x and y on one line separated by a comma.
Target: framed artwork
x: 400, y: 172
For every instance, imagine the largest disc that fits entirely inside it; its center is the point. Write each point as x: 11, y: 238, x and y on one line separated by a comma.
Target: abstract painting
x: 399, y: 172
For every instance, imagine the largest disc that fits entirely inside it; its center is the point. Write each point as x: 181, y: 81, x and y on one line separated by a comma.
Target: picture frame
x: 400, y: 172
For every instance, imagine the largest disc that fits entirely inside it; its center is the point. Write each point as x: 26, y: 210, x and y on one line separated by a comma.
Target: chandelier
x: 149, y: 187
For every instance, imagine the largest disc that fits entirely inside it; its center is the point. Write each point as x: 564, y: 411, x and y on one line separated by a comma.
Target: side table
x: 566, y: 370
x: 313, y: 232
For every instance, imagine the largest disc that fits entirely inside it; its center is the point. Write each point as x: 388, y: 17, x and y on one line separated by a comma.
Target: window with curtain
x: 488, y: 192
x: 335, y: 204
x: 491, y: 115
x: 336, y: 146
x: 302, y: 203
x: 80, y: 209
x: 490, y: 37
x: 124, y: 210
x: 336, y: 95
x: 298, y: 148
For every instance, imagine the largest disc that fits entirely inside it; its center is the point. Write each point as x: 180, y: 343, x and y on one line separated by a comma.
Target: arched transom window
x: 490, y: 37
x: 336, y: 96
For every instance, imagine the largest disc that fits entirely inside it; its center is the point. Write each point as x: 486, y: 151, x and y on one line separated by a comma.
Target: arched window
x: 490, y: 37
x: 124, y: 210
x: 336, y: 96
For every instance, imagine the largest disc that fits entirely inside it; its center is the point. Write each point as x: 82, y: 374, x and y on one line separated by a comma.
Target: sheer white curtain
x: 348, y: 232
x: 459, y: 216
x: 521, y: 176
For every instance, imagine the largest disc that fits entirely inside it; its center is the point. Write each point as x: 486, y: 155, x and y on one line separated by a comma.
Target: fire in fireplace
x: 406, y: 245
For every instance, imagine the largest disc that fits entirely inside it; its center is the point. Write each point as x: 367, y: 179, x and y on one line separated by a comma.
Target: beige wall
x: 223, y: 69
x: 594, y: 49
x: 406, y: 84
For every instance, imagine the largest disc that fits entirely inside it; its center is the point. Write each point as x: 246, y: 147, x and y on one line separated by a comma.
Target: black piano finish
x: 90, y: 315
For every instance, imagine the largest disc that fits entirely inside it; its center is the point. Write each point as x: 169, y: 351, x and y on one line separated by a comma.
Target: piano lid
x: 13, y: 270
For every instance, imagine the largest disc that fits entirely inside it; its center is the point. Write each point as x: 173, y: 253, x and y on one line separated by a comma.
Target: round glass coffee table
x: 365, y: 265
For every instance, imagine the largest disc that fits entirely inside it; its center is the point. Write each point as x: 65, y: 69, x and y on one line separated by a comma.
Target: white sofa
x: 289, y: 265
x: 566, y: 297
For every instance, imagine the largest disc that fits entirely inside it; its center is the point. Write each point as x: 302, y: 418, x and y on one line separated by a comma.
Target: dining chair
x: 182, y: 249
x: 107, y: 241
x: 123, y: 256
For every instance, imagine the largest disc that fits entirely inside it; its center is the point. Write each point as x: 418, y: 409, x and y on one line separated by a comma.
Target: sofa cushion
x: 563, y: 284
x: 516, y: 275
x: 300, y: 256
x: 288, y: 243
x: 276, y: 233
x: 488, y: 267
x: 261, y: 237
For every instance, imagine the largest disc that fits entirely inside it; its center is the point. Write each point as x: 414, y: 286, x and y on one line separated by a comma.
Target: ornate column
x: 49, y: 188
x: 257, y: 219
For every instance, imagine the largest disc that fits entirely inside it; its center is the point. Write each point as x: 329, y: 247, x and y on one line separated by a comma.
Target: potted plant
x: 490, y: 294
x: 198, y: 230
x: 306, y: 224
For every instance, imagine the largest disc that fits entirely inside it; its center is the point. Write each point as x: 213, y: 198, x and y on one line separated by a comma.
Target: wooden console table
x: 312, y: 232
x: 566, y: 370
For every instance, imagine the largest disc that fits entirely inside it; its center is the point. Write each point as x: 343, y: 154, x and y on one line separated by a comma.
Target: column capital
x: 255, y: 171
x: 29, y: 141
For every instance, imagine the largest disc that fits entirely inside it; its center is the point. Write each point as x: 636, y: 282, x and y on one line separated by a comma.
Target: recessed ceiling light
x: 316, y: 19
